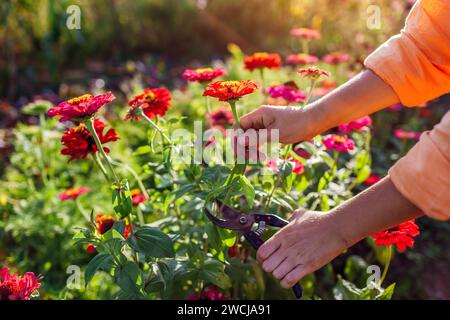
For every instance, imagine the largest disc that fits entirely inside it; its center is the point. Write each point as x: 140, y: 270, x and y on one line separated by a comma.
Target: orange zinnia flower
x: 313, y: 73
x: 230, y: 90
x: 72, y: 193
x: 261, y: 60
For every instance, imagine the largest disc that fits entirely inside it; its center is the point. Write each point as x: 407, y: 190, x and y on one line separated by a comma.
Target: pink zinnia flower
x: 336, y: 58
x: 305, y: 33
x: 406, y: 135
x: 396, y: 107
x: 80, y: 107
x: 301, y: 59
x: 356, y: 125
x: 287, y: 92
x: 72, y: 193
x: 338, y: 143
x: 13, y: 287
x: 272, y: 164
x: 313, y: 73
x: 221, y: 117
x: 203, y: 74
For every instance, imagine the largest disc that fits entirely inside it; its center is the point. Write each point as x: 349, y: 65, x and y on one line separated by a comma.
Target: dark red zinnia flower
x: 402, y: 235
x: 90, y: 248
x: 261, y: 60
x: 203, y: 74
x: 13, y: 287
x: 104, y: 222
x: 154, y: 102
x: 230, y: 90
x: 78, y: 142
x: 73, y: 193
x: 80, y: 107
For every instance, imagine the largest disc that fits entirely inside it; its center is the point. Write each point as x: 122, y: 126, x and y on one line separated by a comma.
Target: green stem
x: 140, y: 216
x: 130, y: 223
x: 311, y: 87
x: 287, y: 149
x: 208, y: 106
x: 135, y: 175
x: 81, y: 209
x: 263, y: 82
x: 235, y: 114
x: 305, y: 46
x: 101, y: 167
x: 386, y: 267
x: 91, y: 128
x: 154, y: 125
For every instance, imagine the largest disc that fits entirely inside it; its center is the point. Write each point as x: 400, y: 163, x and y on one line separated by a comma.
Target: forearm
x: 364, y: 94
x: 378, y: 208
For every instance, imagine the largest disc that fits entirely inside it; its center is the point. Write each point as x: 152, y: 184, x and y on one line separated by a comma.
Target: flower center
x: 77, y: 100
x: 149, y: 96
x: 201, y: 70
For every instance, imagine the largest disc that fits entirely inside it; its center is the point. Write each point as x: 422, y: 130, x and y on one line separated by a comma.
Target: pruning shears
x: 252, y: 226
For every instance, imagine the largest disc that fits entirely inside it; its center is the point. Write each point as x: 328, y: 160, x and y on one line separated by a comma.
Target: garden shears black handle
x: 251, y: 226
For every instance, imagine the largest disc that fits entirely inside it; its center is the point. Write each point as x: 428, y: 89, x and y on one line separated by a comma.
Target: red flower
x: 356, y: 125
x: 137, y: 197
x: 78, y: 142
x: 104, y: 222
x: 402, y: 235
x: 221, y: 117
x: 313, y: 73
x: 301, y: 59
x: 338, y: 143
x: 127, y: 231
x: 72, y: 193
x: 303, y: 153
x: 13, y: 287
x: 210, y: 294
x: 336, y: 58
x: 230, y: 90
x: 203, y: 74
x: 152, y: 101
x: 305, y: 33
x: 90, y: 248
x: 406, y: 135
x: 80, y: 107
x: 261, y: 60
x: 372, y: 179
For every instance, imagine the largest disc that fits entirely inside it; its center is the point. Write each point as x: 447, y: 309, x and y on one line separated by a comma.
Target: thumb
x: 255, y: 119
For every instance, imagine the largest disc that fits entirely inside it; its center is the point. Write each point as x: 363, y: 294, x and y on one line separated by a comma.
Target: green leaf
x: 345, y: 290
x: 101, y: 261
x: 142, y: 150
x: 214, y: 272
x: 387, y: 293
x: 152, y: 242
x: 228, y: 237
x: 363, y: 174
x: 249, y: 191
x: 129, y: 279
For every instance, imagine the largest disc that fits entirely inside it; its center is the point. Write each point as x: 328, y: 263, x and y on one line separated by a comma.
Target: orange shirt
x: 416, y: 64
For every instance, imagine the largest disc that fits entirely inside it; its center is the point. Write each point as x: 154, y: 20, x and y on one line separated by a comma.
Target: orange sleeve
x: 416, y: 63
x: 423, y: 175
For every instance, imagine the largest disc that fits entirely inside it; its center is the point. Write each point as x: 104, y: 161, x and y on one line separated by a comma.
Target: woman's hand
x: 307, y: 243
x: 294, y: 123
